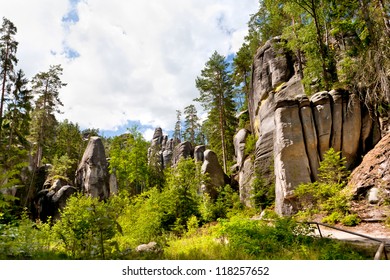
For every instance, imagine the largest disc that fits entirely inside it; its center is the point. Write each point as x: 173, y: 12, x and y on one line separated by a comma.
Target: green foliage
x: 263, y: 193
x: 351, y: 220
x: 87, y: 227
x: 192, y: 126
x: 129, y: 162
x: 62, y: 166
x: 216, y: 96
x: 283, y: 239
x: 250, y: 144
x: 327, y: 193
x: 26, y: 240
x: 333, y: 218
x: 226, y: 204
x: 46, y: 87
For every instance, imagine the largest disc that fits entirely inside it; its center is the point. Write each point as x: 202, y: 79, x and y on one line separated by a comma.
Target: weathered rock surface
x: 295, y: 132
x: 213, y: 169
x: 52, y: 199
x: 182, y: 150
x: 373, y: 172
x: 291, y: 161
x: 239, y: 146
x: 199, y: 153
x: 245, y: 182
x: 148, y: 248
x: 92, y: 175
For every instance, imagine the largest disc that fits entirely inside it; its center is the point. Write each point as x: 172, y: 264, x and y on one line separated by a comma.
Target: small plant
x: 351, y: 220
x: 250, y: 144
x: 333, y: 218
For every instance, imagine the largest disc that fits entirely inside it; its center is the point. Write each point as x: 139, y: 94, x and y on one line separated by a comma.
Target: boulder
x: 92, y: 176
x: 239, y: 145
x: 182, y: 150
x: 199, y: 153
x: 50, y: 201
x: 148, y: 248
x: 373, y: 196
x: 213, y: 169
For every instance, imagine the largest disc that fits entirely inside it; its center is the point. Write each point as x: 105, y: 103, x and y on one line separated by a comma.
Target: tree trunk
x: 3, y: 89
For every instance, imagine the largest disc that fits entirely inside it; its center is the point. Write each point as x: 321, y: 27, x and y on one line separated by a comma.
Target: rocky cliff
x: 294, y: 130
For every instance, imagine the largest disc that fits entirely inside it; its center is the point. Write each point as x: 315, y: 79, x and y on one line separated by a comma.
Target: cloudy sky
x: 126, y: 61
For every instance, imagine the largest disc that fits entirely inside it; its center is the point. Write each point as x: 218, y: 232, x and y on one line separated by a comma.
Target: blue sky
x: 126, y: 62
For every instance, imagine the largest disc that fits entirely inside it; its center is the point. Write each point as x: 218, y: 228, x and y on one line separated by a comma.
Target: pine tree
x: 8, y: 60
x: 46, y: 86
x: 17, y: 117
x: 177, y: 131
x: 216, y: 96
x: 191, y: 122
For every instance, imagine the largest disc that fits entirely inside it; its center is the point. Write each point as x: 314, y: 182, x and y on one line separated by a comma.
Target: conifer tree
x: 216, y: 96
x: 46, y: 86
x: 8, y: 60
x: 191, y: 121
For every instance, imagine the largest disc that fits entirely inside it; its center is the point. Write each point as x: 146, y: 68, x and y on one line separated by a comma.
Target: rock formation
x: 92, y: 176
x: 373, y: 172
x: 294, y: 131
x: 213, y: 169
x: 52, y: 199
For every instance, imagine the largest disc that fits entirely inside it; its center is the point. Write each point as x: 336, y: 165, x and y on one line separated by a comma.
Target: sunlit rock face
x: 92, y: 176
x: 294, y: 131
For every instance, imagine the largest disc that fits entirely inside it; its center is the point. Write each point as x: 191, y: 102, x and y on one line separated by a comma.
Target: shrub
x: 87, y: 226
x: 351, y: 220
x: 333, y: 218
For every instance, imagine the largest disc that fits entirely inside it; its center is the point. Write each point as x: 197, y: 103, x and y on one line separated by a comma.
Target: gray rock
x: 199, y: 153
x: 92, y: 173
x: 148, y: 248
x: 245, y: 182
x: 337, y: 117
x: 322, y: 113
x: 291, y: 162
x: 213, y: 169
x: 239, y: 145
x: 182, y: 150
x: 352, y: 124
x: 310, y: 135
x: 373, y: 196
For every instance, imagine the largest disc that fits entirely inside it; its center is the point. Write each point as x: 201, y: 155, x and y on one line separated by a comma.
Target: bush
x: 351, y: 220
x: 326, y: 194
x: 87, y: 226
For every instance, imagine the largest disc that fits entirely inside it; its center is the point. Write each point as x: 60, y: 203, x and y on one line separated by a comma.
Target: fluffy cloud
x: 126, y: 60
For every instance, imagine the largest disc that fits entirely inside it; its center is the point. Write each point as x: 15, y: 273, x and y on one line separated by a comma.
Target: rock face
x: 294, y: 132
x: 373, y: 172
x: 182, y: 150
x: 92, y: 176
x: 245, y: 182
x: 52, y: 199
x: 212, y: 168
x: 239, y: 146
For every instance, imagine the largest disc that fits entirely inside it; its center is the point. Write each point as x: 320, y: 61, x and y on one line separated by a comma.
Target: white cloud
x: 137, y: 60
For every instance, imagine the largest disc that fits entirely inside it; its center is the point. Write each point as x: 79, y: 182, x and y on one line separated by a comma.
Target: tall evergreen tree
x: 177, y: 132
x: 8, y: 60
x: 216, y: 96
x: 17, y: 117
x: 46, y: 86
x: 191, y: 122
